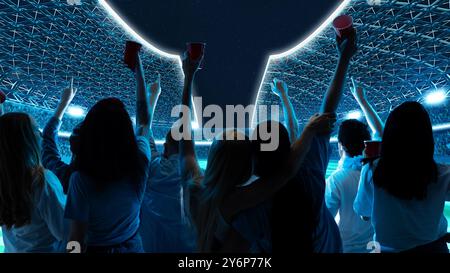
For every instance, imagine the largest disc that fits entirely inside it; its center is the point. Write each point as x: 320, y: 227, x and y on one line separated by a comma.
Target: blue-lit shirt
x: 404, y: 224
x: 340, y: 194
x: 47, y: 231
x: 301, y: 219
x: 253, y: 224
x: 113, y: 213
x: 164, y: 226
x: 326, y: 236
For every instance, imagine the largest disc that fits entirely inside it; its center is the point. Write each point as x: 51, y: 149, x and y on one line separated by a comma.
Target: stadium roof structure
x: 45, y: 43
x: 404, y: 53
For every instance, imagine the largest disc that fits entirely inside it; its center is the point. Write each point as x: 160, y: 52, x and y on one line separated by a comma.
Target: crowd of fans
x: 119, y: 194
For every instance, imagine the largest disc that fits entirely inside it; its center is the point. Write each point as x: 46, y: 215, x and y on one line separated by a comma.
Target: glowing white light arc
x: 308, y: 39
x: 134, y: 34
x: 144, y: 43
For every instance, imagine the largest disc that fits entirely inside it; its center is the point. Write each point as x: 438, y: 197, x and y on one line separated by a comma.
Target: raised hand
x: 322, y: 123
x: 357, y: 91
x: 155, y: 87
x: 372, y: 117
x: 279, y: 87
x: 68, y: 93
x: 67, y: 96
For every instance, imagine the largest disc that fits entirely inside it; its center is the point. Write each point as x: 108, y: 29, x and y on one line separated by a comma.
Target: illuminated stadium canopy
x: 404, y: 55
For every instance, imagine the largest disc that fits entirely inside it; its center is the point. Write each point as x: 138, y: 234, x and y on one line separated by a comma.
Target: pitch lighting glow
x: 436, y: 128
x: 197, y: 143
x: 435, y: 97
x: 354, y: 115
x: 441, y: 127
x: 308, y: 39
x: 75, y: 111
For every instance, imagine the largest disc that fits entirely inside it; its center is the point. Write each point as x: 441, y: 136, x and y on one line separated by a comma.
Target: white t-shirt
x: 404, y: 224
x: 340, y: 194
x: 47, y: 231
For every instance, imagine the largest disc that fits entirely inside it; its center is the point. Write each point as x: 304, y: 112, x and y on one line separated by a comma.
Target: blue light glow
x: 75, y: 111
x: 356, y: 114
x: 436, y: 97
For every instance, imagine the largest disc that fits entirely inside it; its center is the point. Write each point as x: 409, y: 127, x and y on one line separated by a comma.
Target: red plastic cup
x: 373, y: 148
x: 343, y: 25
x: 2, y: 97
x: 195, y: 50
x: 131, y: 50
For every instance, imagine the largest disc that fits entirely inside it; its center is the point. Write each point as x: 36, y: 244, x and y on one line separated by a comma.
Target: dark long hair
x: 20, y: 168
x: 229, y: 165
x: 406, y: 166
x: 108, y: 150
x: 267, y: 163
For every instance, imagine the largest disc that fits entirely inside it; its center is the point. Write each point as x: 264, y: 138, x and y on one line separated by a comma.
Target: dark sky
x: 239, y: 34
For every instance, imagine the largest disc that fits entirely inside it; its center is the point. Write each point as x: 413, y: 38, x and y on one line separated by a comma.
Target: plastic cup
x: 195, y: 50
x: 131, y: 50
x: 373, y: 148
x: 343, y: 25
x: 2, y: 97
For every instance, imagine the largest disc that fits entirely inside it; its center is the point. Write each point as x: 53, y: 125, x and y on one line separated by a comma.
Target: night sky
x: 239, y: 34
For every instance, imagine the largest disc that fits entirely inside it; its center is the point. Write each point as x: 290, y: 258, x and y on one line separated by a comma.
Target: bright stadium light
x: 125, y: 26
x: 75, y: 111
x: 436, y: 97
x: 356, y: 114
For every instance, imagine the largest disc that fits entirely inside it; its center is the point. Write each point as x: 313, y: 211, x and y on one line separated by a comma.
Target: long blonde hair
x: 20, y: 168
x: 229, y: 165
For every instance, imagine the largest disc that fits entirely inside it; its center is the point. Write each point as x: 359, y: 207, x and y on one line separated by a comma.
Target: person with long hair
x: 403, y: 192
x: 106, y: 191
x: 31, y: 198
x: 216, y: 197
x: 310, y: 228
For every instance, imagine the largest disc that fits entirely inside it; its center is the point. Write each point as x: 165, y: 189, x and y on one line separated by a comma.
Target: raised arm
x: 66, y: 98
x: 51, y: 157
x: 154, y: 91
x: 372, y: 117
x: 142, y: 101
x: 255, y: 193
x: 280, y: 89
x: 346, y: 49
x: 188, y: 158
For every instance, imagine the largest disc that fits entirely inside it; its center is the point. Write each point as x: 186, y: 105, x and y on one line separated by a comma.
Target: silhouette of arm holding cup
x: 346, y: 42
x: 192, y: 59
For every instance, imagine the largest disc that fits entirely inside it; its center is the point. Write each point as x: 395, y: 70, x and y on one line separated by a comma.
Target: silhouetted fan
x: 239, y: 35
